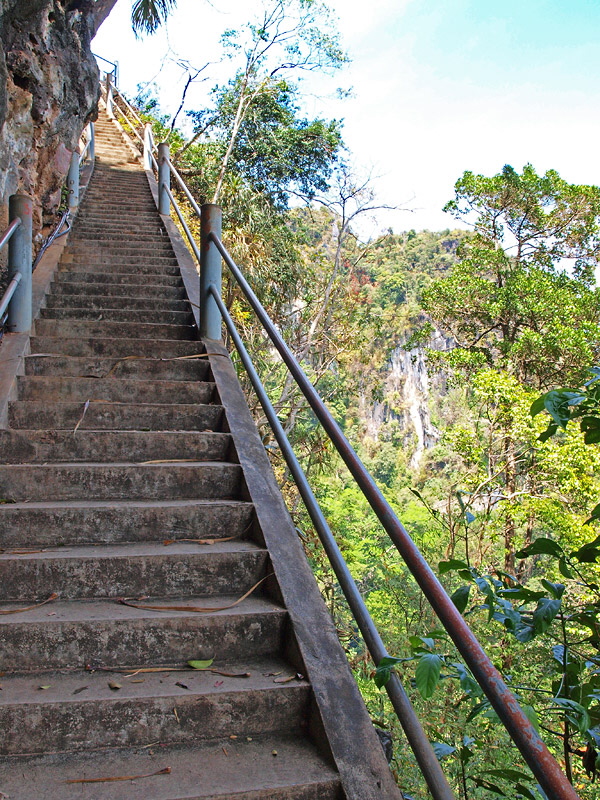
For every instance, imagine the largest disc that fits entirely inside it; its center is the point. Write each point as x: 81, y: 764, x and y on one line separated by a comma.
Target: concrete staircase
x: 131, y: 471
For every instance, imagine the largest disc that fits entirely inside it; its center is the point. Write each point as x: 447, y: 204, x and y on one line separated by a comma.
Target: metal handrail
x: 56, y: 234
x: 6, y: 236
x: 16, y: 279
x: 184, y: 224
x: 419, y: 743
x: 8, y: 294
x: 185, y: 189
x: 534, y: 751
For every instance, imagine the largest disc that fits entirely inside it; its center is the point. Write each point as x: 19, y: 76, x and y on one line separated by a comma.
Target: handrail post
x: 210, y: 271
x: 92, y: 147
x: 148, y: 146
x: 73, y: 181
x: 164, y: 179
x: 19, y: 261
x: 109, y: 99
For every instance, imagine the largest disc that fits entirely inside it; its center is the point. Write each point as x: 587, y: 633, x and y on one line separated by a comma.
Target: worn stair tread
x: 110, y: 610
x: 112, y: 347
x: 223, y: 769
x: 111, y: 415
x: 98, y: 367
x: 68, y: 389
x: 155, y: 708
x: 25, y: 446
x: 126, y: 330
x: 61, y: 522
x: 64, y: 686
x: 129, y: 550
x: 120, y: 481
x: 96, y: 571
x: 55, y: 505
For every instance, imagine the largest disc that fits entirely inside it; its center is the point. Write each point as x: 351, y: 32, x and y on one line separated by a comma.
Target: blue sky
x: 439, y: 86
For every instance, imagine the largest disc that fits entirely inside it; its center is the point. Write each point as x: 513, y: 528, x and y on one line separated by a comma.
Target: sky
x: 438, y: 87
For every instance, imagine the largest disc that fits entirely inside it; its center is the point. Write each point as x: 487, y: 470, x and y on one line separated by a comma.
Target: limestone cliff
x: 48, y: 92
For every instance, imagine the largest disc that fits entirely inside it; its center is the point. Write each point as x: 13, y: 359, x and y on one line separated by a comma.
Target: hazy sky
x: 439, y: 87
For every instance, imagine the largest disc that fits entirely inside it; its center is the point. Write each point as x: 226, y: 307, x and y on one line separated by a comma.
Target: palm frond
x: 148, y: 15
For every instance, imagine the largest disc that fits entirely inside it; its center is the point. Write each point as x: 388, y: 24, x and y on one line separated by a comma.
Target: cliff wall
x: 48, y: 92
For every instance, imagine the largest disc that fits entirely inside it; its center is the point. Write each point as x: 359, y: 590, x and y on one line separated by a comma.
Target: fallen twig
x: 53, y: 596
x: 165, y: 771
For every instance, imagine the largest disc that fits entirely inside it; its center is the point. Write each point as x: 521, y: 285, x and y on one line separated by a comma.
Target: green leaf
x: 563, y: 568
x: 201, y: 664
x: 508, y: 774
x: 556, y: 589
x: 537, y: 406
x: 382, y: 676
x: 420, y: 643
x: 427, y: 675
x: 460, y: 597
x: 526, y: 792
x: 388, y: 661
x: 467, y: 682
x: 491, y: 787
x: 541, y: 546
x: 574, y: 712
x: 448, y: 566
x: 545, y: 613
x: 442, y: 750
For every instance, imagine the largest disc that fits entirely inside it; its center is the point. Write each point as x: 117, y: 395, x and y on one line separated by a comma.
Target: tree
x: 275, y: 150
x: 511, y: 301
x: 511, y: 306
x: 292, y: 36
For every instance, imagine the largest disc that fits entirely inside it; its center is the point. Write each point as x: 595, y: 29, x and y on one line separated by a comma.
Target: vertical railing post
x: 210, y: 271
x: 109, y: 100
x: 19, y: 260
x: 164, y: 179
x: 92, y: 147
x: 148, y: 146
x: 73, y: 181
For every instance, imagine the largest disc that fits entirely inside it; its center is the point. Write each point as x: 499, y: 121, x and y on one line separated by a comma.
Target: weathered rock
x: 48, y: 92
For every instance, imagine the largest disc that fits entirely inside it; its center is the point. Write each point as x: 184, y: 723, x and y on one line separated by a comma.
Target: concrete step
x: 245, y: 768
x: 168, y: 291
x: 124, y: 231
x: 131, y: 570
x: 114, y: 348
x: 129, y: 276
x: 119, y: 481
x: 156, y: 709
x: 112, y: 415
x: 120, y: 390
x: 112, y: 256
x: 149, y: 267
x: 164, y: 317
x: 30, y: 446
x: 89, y: 249
x: 71, y: 635
x: 125, y: 330
x: 106, y: 217
x: 97, y: 367
x: 89, y: 303
x: 57, y: 523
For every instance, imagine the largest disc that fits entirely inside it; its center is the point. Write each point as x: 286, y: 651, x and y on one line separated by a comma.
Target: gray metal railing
x: 16, y: 302
x: 213, y: 311
x: 15, y: 305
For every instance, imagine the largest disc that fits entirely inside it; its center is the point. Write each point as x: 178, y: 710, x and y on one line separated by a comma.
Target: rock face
x: 48, y: 92
x: 407, y: 386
